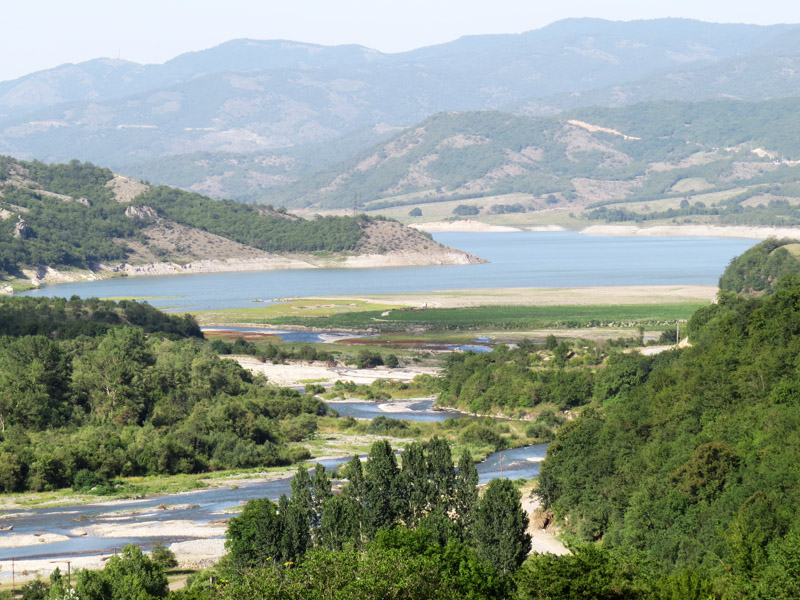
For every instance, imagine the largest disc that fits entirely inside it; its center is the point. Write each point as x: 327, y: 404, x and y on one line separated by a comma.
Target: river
x: 523, y: 259
x: 208, y: 505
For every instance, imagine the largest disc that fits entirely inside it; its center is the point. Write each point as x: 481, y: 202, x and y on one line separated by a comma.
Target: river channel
x: 204, y: 506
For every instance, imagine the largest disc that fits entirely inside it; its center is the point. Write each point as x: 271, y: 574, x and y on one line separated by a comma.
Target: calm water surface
x: 524, y: 259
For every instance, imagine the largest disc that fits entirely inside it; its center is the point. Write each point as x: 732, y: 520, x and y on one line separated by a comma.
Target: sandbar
x: 530, y: 296
x: 737, y: 231
x: 297, y: 374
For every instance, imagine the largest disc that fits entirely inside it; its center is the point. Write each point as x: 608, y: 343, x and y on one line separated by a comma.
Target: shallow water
x: 207, y: 505
x: 420, y: 410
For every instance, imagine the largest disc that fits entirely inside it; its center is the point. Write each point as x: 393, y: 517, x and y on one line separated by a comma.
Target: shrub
x: 381, y: 425
x: 163, y: 556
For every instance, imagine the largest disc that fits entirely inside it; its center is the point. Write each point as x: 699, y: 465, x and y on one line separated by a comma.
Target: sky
x: 41, y: 34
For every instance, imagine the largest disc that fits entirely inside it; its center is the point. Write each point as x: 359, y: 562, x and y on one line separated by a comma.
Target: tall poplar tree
x: 500, y: 526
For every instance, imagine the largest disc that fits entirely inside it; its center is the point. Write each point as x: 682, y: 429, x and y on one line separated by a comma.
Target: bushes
x: 482, y: 433
x: 382, y: 425
x: 84, y: 480
x: 368, y: 359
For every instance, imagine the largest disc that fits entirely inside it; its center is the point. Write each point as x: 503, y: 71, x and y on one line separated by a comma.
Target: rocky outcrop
x: 145, y: 213
x: 22, y: 230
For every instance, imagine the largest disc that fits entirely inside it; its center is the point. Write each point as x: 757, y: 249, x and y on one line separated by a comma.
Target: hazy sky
x: 40, y: 34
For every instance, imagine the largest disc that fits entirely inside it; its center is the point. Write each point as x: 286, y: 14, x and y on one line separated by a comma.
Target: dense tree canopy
x: 82, y: 410
x: 758, y: 269
x: 694, y: 462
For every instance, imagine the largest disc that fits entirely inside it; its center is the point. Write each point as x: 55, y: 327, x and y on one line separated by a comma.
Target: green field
x: 297, y: 308
x: 496, y: 317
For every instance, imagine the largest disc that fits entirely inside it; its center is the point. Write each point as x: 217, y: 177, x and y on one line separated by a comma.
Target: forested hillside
x: 87, y: 396
x: 61, y: 319
x: 758, y: 270
x: 78, y: 215
x: 695, y: 465
x: 588, y: 158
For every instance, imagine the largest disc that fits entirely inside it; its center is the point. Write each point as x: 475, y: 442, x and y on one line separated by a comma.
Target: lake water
x: 523, y: 259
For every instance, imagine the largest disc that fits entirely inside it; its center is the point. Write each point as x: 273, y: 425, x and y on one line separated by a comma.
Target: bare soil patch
x: 581, y: 296
x: 126, y: 189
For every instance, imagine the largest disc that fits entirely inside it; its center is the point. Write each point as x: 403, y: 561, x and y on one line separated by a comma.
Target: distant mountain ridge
x: 262, y: 96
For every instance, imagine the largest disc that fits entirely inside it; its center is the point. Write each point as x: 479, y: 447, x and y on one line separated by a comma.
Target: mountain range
x: 248, y: 118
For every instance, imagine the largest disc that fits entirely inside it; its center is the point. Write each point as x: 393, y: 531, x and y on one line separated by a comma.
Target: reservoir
x: 518, y: 259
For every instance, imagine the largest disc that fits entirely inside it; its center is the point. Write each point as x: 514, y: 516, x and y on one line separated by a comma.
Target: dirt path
x: 542, y: 540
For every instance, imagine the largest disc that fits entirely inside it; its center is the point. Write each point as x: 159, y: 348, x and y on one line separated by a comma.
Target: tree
x: 466, y: 490
x: 440, y: 471
x: 163, y: 556
x: 500, y: 526
x: 340, y: 523
x: 255, y: 538
x: 400, y: 564
x: 321, y: 493
x: 380, y: 502
x: 117, y: 378
x: 591, y: 572
x: 354, y: 472
x: 35, y: 590
x: 296, y: 538
x: 414, y: 482
x: 368, y: 359
x: 550, y: 342
x: 128, y: 576
x: 415, y: 212
x: 12, y: 472
x: 34, y: 383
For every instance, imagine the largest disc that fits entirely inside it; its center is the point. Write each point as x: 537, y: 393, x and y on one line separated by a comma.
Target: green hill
x: 659, y: 153
x: 80, y: 216
x: 695, y: 465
